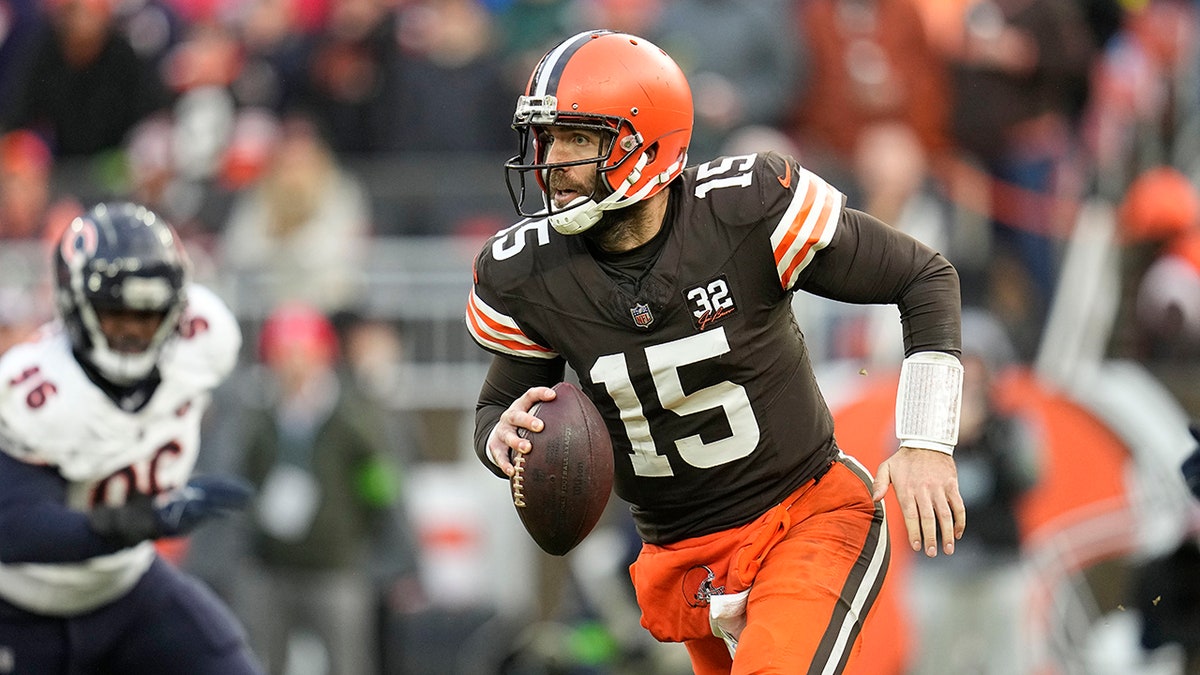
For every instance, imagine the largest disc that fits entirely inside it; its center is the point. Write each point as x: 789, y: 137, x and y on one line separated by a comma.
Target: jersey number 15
x: 665, y: 360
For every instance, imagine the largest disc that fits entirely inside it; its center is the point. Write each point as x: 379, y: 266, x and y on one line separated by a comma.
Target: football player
x: 1191, y: 465
x: 99, y: 429
x: 668, y: 291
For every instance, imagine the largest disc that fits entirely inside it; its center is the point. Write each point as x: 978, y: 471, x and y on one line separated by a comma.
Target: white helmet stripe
x: 545, y: 78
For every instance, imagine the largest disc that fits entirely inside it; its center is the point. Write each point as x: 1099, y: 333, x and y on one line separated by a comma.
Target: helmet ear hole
x: 651, y: 152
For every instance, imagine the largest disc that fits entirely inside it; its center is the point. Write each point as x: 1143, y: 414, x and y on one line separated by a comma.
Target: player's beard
x: 617, y: 229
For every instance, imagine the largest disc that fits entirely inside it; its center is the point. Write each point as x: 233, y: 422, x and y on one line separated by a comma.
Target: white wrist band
x: 928, y: 401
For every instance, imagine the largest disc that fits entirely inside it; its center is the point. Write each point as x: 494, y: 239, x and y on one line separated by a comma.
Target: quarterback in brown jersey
x: 667, y: 290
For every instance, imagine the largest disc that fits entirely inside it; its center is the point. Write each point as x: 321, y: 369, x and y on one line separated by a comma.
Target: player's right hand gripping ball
x: 562, y: 485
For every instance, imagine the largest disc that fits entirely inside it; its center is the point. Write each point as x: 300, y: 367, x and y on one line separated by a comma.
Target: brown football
x: 562, y: 485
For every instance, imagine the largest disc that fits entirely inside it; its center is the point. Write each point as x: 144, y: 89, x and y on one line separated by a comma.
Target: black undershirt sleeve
x: 869, y: 262
x: 507, y: 379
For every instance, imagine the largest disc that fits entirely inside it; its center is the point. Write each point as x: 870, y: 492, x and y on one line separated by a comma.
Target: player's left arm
x: 35, y: 524
x: 869, y: 262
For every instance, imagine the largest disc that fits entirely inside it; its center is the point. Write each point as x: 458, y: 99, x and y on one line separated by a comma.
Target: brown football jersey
x: 699, y: 369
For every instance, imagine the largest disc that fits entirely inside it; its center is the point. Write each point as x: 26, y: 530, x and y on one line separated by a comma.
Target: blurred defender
x: 99, y: 429
x: 668, y: 292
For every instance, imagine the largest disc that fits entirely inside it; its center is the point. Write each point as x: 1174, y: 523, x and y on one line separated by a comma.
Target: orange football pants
x: 814, y: 565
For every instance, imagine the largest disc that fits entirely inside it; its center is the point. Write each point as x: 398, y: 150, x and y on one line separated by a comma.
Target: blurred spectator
x: 25, y: 171
x: 192, y: 186
x: 526, y: 29
x: 374, y: 352
x: 892, y: 170
x: 28, y: 209
x: 1158, y: 313
x: 1144, y: 96
x: 1168, y: 302
x: 350, y: 80
x: 301, y: 232
x: 374, y: 355
x: 201, y: 69
x: 328, y: 495
x: 223, y: 125
x: 275, y: 44
x: 84, y: 87
x: 1139, y: 129
x: 19, y: 317
x: 446, y: 108
x: 451, y: 93
x: 153, y: 27
x: 20, y: 25
x: 969, y: 606
x: 745, y: 65
x: 1018, y: 69
x: 872, y: 63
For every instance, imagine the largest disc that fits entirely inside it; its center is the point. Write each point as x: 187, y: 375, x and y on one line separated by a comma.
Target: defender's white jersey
x: 52, y: 414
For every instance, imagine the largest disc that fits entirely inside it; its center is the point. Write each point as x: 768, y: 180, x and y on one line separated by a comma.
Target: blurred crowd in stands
x: 285, y: 138
x: 277, y: 134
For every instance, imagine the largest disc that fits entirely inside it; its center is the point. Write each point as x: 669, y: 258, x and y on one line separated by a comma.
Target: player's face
x: 566, y: 144
x: 129, y: 331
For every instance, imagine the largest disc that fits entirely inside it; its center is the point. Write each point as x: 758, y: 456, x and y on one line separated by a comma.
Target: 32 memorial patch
x: 710, y: 302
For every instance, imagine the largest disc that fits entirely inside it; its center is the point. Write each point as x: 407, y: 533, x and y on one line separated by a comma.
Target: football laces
x: 518, y: 481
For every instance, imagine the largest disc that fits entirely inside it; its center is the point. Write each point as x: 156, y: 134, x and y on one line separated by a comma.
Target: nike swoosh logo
x: 786, y: 179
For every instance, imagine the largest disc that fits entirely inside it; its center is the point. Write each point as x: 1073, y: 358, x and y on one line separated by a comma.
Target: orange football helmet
x: 617, y: 84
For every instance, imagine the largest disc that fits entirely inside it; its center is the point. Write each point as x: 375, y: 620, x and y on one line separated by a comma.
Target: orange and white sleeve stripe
x: 806, y: 227
x: 498, y: 332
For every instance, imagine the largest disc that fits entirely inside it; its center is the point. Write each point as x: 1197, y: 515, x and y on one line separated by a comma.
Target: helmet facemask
x: 621, y: 86
x: 123, y: 367
x: 534, y: 113
x: 620, y: 146
x: 115, y: 267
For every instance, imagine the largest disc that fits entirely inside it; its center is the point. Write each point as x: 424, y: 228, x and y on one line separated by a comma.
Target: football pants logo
x: 710, y: 302
x: 700, y: 577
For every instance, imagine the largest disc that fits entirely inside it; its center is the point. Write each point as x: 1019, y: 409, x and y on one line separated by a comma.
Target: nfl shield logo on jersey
x: 642, y: 317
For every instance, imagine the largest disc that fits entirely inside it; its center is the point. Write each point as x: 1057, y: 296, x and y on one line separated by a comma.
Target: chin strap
x: 123, y: 369
x: 584, y: 212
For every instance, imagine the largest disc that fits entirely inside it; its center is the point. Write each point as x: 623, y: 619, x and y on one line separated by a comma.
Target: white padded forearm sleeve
x: 928, y: 401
